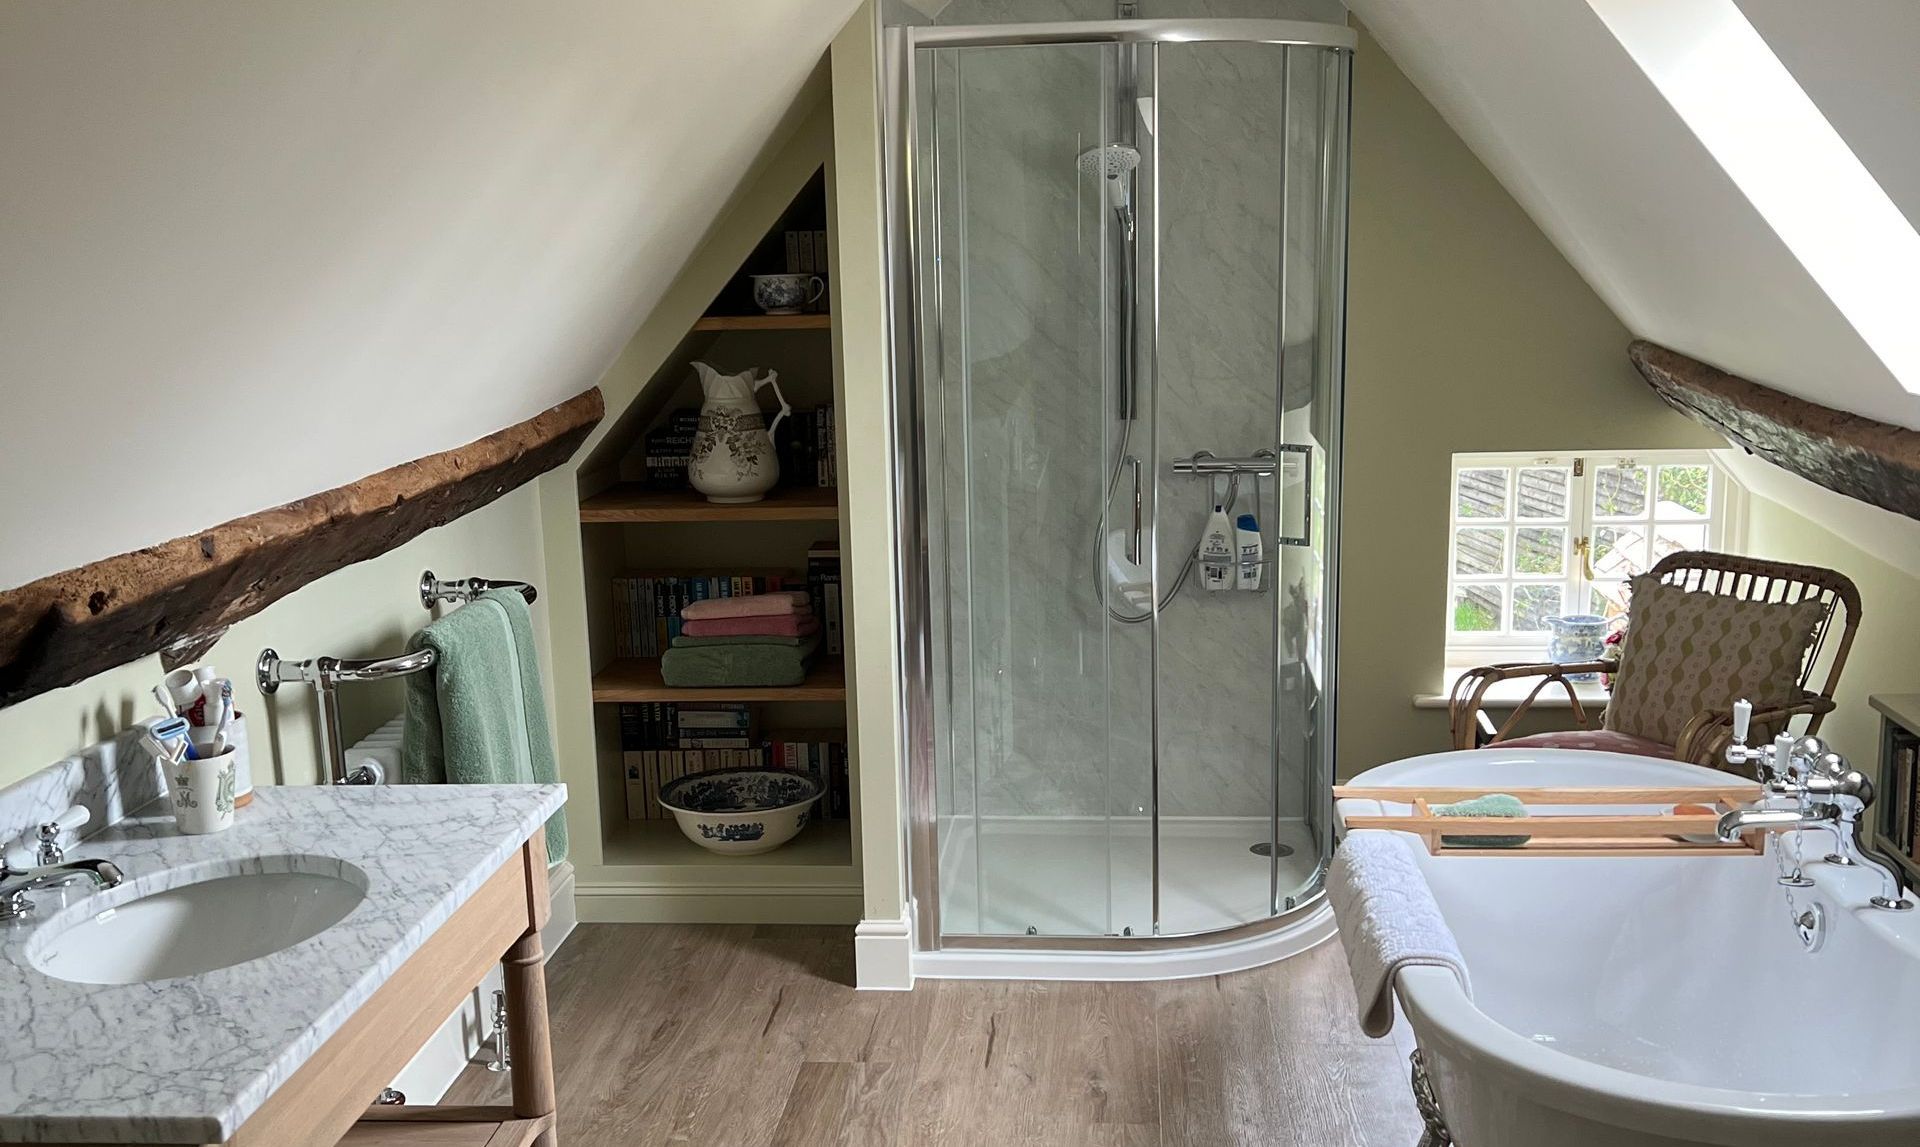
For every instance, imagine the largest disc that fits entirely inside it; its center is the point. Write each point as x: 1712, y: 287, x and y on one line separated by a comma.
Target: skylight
x: 1767, y: 134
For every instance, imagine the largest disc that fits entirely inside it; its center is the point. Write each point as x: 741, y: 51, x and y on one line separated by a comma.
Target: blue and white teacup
x: 786, y: 294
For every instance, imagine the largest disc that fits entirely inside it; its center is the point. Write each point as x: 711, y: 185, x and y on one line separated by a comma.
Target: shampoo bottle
x: 1253, y: 558
x: 1216, y: 551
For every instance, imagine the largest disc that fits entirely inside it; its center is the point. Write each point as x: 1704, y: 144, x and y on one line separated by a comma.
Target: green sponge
x: 1493, y: 804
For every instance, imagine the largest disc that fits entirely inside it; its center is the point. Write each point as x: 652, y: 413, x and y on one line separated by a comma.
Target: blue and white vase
x: 1577, y: 637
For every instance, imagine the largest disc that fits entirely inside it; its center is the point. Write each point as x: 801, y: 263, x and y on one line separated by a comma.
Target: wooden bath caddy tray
x: 1566, y: 834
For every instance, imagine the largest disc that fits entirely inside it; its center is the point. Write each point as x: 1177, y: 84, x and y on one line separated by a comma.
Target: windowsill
x: 1509, y: 694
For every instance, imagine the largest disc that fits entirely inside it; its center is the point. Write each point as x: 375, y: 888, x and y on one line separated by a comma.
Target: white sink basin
x: 217, y: 922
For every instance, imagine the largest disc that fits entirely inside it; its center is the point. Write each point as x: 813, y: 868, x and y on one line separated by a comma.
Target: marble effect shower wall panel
x: 1052, y: 699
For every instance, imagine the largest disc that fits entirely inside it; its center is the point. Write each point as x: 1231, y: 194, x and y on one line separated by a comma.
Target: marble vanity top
x: 189, y: 1059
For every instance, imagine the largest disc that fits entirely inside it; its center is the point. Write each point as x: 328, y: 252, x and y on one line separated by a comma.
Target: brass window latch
x: 1583, y: 546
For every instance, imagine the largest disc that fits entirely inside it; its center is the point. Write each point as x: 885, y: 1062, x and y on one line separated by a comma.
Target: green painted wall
x: 365, y: 610
x: 1882, y: 659
x: 1466, y: 330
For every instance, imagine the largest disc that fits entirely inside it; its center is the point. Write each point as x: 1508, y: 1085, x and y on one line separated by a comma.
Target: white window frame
x: 1725, y: 522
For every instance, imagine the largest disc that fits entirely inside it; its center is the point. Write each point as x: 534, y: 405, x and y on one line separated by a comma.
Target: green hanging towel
x: 478, y: 717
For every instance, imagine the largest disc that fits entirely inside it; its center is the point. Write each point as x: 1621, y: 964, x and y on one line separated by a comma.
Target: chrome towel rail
x: 325, y: 675
x: 272, y: 671
x: 433, y: 589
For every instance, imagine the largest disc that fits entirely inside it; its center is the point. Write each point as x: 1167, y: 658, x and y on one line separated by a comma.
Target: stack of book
x: 1900, y: 822
x: 807, y: 453
x: 667, y: 450
x: 807, y: 254
x: 661, y: 741
x: 646, y: 610
x: 823, y: 586
x: 822, y: 753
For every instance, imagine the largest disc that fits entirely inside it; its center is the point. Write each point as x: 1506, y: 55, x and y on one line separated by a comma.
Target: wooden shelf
x: 822, y: 851
x: 812, y: 322
x: 632, y: 502
x: 638, y: 679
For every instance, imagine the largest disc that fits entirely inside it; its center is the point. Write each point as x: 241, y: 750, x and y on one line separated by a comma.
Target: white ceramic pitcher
x: 733, y: 457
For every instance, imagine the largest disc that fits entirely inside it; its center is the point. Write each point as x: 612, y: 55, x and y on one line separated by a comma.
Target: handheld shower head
x: 1111, y: 160
x: 1112, y: 164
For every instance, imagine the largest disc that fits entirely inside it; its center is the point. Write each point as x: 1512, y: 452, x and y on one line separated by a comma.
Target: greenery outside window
x: 1539, y: 536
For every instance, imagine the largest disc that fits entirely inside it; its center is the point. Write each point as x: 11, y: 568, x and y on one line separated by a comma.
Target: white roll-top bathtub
x: 1657, y: 1001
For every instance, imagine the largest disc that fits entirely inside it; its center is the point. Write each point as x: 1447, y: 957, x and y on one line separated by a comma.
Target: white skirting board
x: 883, y: 954
x: 1313, y: 926
x: 458, y: 1041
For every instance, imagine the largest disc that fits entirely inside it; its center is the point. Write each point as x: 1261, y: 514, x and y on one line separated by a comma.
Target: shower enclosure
x: 1118, y: 268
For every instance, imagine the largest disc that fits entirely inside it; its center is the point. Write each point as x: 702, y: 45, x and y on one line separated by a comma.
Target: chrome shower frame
x: 917, y: 491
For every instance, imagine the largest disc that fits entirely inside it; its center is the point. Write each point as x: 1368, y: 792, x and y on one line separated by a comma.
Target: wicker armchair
x: 1703, y: 738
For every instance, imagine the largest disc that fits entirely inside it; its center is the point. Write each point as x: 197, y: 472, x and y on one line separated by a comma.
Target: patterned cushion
x: 1601, y: 740
x: 1690, y: 651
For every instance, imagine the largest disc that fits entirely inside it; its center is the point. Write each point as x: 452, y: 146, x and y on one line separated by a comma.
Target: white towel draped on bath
x: 1388, y: 921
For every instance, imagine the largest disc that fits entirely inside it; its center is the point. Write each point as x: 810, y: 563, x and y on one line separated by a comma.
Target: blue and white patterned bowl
x: 738, y: 812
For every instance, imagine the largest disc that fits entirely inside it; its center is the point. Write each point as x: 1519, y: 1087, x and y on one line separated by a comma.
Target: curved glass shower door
x: 1128, y: 263
x: 1043, y: 691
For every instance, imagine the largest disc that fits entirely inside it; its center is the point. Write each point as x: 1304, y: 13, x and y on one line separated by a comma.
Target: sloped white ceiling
x: 1565, y: 119
x: 253, y: 249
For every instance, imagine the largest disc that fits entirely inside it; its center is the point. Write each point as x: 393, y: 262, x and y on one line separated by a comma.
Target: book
x: 823, y: 586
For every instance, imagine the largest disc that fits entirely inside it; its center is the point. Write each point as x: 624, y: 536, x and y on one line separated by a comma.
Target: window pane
x: 1620, y: 491
x: 1619, y: 551
x: 1683, y: 492
x: 1671, y: 539
x: 1478, y: 608
x: 1481, y: 494
x: 1610, y: 598
x: 1480, y: 550
x: 1543, y: 492
x: 1533, y: 605
x: 1539, y: 550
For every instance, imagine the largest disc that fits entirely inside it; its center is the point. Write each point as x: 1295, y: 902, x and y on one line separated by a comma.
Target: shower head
x: 1112, y: 163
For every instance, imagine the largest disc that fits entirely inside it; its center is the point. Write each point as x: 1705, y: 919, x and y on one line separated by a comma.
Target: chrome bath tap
x: 1825, y: 792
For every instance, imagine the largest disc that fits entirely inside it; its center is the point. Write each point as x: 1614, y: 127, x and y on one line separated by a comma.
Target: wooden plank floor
x: 749, y: 1036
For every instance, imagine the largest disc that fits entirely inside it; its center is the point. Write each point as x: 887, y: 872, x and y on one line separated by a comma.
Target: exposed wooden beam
x: 1876, y: 462
x: 180, y: 596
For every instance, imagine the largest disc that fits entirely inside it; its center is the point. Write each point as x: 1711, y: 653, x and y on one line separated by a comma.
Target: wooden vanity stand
x: 327, y: 1100
x: 501, y: 924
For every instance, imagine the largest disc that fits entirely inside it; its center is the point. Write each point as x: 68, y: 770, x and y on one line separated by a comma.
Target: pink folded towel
x: 786, y: 625
x: 752, y: 605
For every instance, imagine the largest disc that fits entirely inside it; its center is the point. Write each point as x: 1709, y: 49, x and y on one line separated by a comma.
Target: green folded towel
x: 685, y: 642
x: 478, y: 717
x: 1493, y: 804
x: 739, y: 666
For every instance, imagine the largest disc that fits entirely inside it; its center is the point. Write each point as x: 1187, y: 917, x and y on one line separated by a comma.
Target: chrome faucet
x: 1826, y: 792
x: 15, y: 884
x: 24, y: 870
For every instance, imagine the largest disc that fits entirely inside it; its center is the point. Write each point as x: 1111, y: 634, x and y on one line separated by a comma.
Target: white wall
x: 1564, y: 118
x: 317, y: 240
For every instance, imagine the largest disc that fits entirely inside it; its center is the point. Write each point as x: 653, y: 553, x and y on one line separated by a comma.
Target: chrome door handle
x: 1139, y: 514
x: 1305, y: 536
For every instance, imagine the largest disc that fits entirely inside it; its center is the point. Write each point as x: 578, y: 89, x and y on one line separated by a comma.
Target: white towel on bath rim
x: 1388, y: 921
